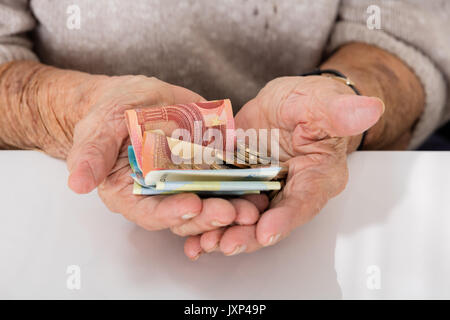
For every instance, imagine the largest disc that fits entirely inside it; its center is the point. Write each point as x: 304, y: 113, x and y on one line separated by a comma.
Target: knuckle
x: 91, y: 148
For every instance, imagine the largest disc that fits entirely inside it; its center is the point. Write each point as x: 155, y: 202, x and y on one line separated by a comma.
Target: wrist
x: 43, y: 105
x: 68, y: 94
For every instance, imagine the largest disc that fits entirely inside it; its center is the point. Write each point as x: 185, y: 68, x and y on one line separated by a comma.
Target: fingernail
x: 196, y: 257
x: 273, y: 239
x: 216, y: 223
x: 213, y: 248
x: 188, y: 216
x: 237, y: 250
x: 382, y: 103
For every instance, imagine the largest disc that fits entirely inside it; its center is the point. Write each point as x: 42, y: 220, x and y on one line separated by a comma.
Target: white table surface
x: 391, y: 226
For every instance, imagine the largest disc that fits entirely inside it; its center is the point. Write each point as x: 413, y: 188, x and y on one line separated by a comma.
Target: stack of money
x: 193, y: 148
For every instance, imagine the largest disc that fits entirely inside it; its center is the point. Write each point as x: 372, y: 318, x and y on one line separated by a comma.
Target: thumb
x: 349, y: 115
x: 93, y: 154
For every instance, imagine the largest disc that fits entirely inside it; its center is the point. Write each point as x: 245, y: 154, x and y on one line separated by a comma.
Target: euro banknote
x: 167, y: 140
x: 194, y: 118
x: 207, y: 182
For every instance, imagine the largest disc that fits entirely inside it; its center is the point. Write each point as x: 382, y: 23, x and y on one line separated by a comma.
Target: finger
x: 276, y: 224
x: 351, y: 115
x: 246, y: 212
x: 306, y: 192
x: 261, y: 201
x: 161, y: 212
x: 183, y: 95
x: 154, y: 212
x: 172, y: 210
x: 92, y: 156
x: 209, y: 241
x: 216, y: 212
x: 303, y: 196
x: 336, y: 115
x: 239, y: 239
x: 192, y: 248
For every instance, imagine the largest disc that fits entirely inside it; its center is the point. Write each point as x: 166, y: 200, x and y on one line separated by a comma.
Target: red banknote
x: 196, y: 119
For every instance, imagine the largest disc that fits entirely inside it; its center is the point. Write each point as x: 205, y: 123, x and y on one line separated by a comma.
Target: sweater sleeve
x: 15, y: 21
x: 416, y: 32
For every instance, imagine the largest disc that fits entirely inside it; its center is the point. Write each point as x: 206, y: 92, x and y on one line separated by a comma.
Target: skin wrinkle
x: 16, y: 92
x: 34, y: 99
x: 6, y: 99
x: 67, y: 136
x: 316, y: 117
x: 22, y: 106
x: 43, y: 116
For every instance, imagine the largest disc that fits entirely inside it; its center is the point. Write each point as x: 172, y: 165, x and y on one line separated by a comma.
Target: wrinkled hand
x: 320, y: 121
x: 99, y: 158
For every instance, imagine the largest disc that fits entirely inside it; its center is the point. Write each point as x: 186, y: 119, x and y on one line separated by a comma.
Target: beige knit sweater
x: 229, y: 48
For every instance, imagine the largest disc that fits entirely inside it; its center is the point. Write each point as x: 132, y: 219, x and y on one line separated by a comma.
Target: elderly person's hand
x: 80, y: 117
x: 320, y: 120
x: 98, y: 157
